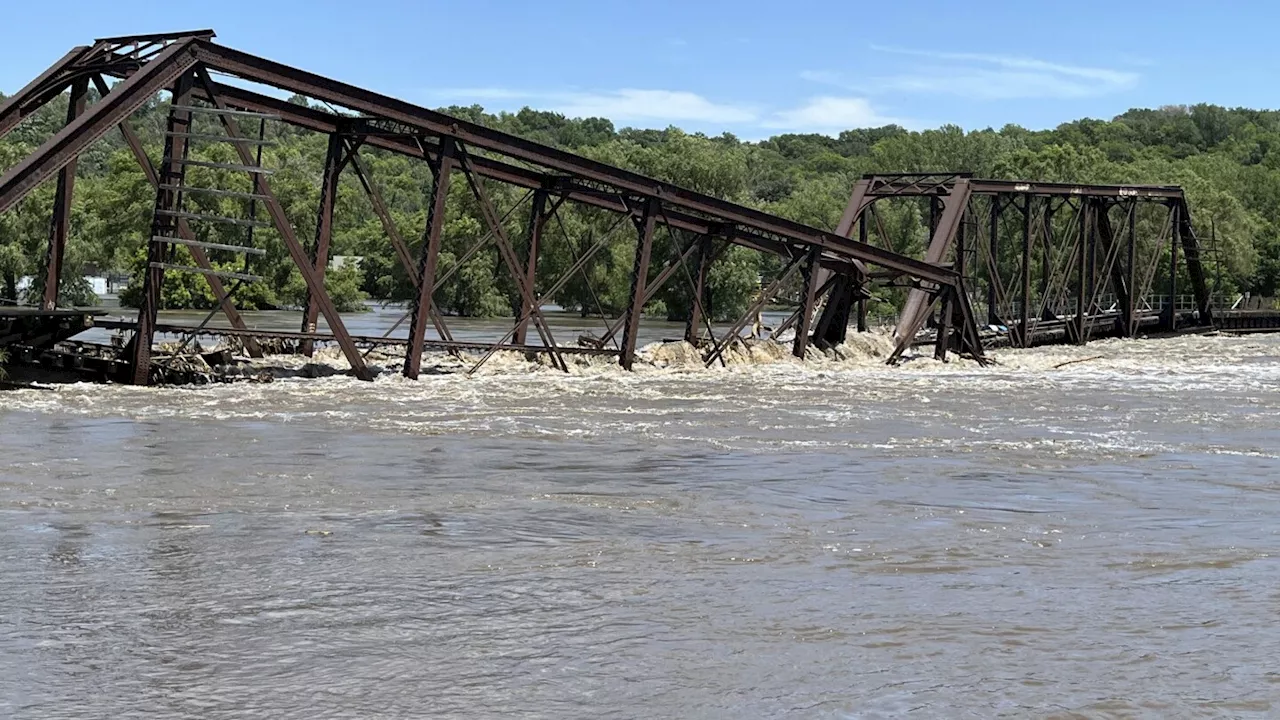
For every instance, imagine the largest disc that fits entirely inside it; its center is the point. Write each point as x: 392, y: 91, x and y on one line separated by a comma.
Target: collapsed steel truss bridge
x: 1077, y: 241
x: 1056, y: 261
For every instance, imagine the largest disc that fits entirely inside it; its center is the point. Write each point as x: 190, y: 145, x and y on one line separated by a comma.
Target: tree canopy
x: 1227, y: 159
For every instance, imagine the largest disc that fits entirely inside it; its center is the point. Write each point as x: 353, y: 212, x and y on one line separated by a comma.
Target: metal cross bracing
x: 1042, y: 262
x: 1056, y: 261
x: 190, y: 66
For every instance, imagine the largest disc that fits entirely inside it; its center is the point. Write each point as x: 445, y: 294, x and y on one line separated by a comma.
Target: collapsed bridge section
x: 1046, y: 262
x: 202, y: 78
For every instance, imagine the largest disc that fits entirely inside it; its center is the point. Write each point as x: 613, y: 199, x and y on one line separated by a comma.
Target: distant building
x: 337, y: 262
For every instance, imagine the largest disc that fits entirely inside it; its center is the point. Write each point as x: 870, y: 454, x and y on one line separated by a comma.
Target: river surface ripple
x: 822, y: 540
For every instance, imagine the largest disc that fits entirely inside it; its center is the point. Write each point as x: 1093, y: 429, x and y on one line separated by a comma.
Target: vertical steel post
x: 943, y: 342
x: 170, y: 174
x: 1046, y: 256
x: 184, y: 230
x: 693, y: 326
x: 1025, y: 311
x: 862, y: 300
x: 1175, y: 239
x: 1096, y: 207
x: 1082, y: 272
x: 1131, y: 306
x: 61, y: 228
x: 993, y: 267
x: 430, y: 255
x: 324, y: 233
x: 297, y: 250
x: 537, y: 219
x: 639, y: 275
x: 808, y: 295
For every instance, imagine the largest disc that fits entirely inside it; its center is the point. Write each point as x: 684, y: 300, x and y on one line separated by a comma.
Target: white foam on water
x: 824, y: 400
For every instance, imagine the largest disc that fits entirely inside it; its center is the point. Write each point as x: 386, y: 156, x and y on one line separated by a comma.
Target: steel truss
x: 836, y: 269
x: 1049, y: 262
x: 186, y: 64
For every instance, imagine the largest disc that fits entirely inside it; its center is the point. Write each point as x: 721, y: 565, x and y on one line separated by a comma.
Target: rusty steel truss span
x: 193, y: 68
x: 1041, y: 261
x: 1046, y: 262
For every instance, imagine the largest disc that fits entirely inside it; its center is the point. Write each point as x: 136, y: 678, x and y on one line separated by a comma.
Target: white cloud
x: 826, y: 114
x: 823, y: 114
x: 987, y: 77
x: 623, y: 106
x: 628, y: 105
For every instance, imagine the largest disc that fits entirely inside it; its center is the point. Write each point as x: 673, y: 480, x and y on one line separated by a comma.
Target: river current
x: 832, y: 539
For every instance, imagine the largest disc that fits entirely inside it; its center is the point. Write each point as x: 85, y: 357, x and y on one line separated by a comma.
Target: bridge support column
x: 171, y: 174
x: 808, y: 296
x: 945, y: 316
x: 1131, y: 307
x: 862, y: 298
x: 324, y: 233
x: 61, y: 228
x: 430, y: 256
x: 537, y: 220
x: 1096, y: 208
x: 1175, y: 239
x: 993, y: 261
x: 1024, y: 313
x: 639, y: 276
x: 1046, y: 264
x: 1082, y: 257
x: 697, y: 301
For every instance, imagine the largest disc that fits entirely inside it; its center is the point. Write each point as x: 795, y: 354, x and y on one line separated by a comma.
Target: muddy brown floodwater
x: 834, y: 539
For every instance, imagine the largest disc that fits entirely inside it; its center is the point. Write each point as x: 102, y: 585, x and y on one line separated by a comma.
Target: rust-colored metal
x: 96, y: 121
x: 698, y: 291
x: 315, y: 284
x: 808, y: 296
x: 1085, y: 251
x: 62, y: 205
x: 1094, y: 275
x: 511, y: 260
x: 201, y: 258
x: 537, y: 220
x: 732, y: 335
x: 333, y: 163
x: 639, y: 277
x: 171, y: 174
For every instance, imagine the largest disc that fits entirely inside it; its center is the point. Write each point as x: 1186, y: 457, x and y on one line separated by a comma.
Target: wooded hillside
x: 1227, y: 159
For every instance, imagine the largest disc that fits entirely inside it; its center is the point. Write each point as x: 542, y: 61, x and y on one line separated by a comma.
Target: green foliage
x: 342, y: 284
x: 1227, y: 159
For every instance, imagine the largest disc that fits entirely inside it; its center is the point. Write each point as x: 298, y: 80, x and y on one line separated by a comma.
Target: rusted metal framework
x: 1049, y: 262
x: 194, y: 69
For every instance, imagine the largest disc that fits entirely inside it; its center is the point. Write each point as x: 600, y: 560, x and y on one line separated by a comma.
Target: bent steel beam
x: 916, y: 309
x: 427, y: 262
x: 168, y: 198
x: 39, y: 91
x: 97, y: 121
x: 134, y: 143
x: 250, y: 67
x: 61, y: 226
x: 333, y: 162
x: 314, y: 282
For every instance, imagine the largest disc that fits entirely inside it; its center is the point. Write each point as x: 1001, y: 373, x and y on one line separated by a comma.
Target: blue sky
x: 753, y: 68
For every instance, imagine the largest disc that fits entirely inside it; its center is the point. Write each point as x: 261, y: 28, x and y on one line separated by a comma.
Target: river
x: 833, y: 539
